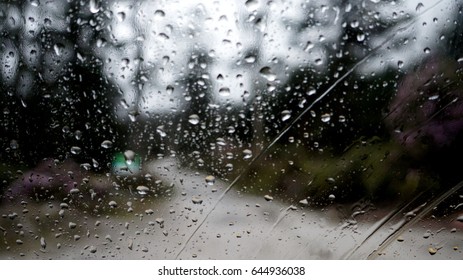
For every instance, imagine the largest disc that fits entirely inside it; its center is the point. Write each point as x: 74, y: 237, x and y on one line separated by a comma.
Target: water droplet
x: 120, y: 16
x: 311, y: 92
x: 250, y: 58
x: 331, y: 197
x: 129, y: 156
x: 267, y: 73
x: 427, y: 50
x: 252, y: 5
x: 210, y: 180
x: 268, y: 197
x: 142, y: 190
x: 400, y: 239
x: 43, y: 244
x: 92, y: 249
x: 220, y: 141
x: 14, y: 144
x: 247, y: 154
x: 318, y: 61
x: 348, y: 7
x: 125, y: 62
x: 326, y: 117
x: 193, y: 119
x: 169, y: 89
x: 342, y: 118
x: 133, y: 114
x: 432, y: 250
x: 285, y: 115
x: 112, y: 204
x: 197, y: 200
x: 165, y: 59
x: 304, y: 202
x: 231, y: 129
x: 94, y: 7
x: 100, y: 42
x: 354, y: 24
x: 58, y: 48
x: 76, y: 150
x: 160, y: 131
x: 160, y: 221
x: 107, y: 144
x: 72, y: 225
x: 35, y: 3
x: 19, y: 241
x: 400, y: 64
x: 78, y: 134
x: 309, y: 46
x: 360, y: 37
x: 225, y: 91
x: 419, y: 7
x: 159, y: 13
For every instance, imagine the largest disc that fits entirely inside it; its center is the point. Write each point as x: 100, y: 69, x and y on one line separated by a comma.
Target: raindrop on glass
x: 250, y: 59
x: 247, y: 154
x: 142, y: 190
x: 419, y: 7
x: 326, y: 117
x: 107, y: 144
x: 360, y: 37
x: 169, y: 89
x: 129, y: 156
x: 43, y: 244
x: 308, y: 46
x: 210, y: 180
x: 225, y: 91
x: 92, y: 249
x: 78, y: 134
x: 193, y: 119
x: 354, y: 24
x: 268, y: 197
x: 400, y: 64
x: 159, y: 13
x: 58, y: 48
x: 267, y: 73
x: 76, y: 150
x: 252, y: 5
x: 285, y: 115
x: 120, y: 16
x: 196, y: 200
x: 94, y: 7
x: 14, y: 144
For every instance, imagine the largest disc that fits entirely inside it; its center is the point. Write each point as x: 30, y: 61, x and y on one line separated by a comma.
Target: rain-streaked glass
x: 231, y: 129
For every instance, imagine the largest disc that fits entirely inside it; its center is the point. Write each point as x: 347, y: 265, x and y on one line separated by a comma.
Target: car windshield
x: 258, y: 129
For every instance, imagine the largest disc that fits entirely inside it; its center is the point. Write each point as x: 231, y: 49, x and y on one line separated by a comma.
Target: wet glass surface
x: 231, y: 130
